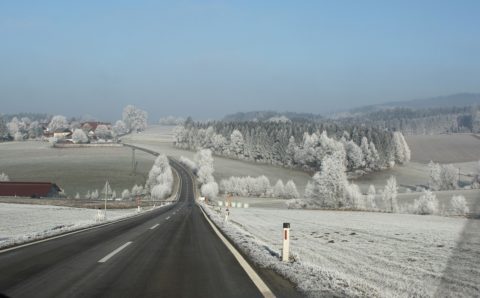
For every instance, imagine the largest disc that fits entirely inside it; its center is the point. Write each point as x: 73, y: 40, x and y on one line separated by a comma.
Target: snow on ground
x: 363, y: 254
x: 22, y: 223
x: 444, y: 148
x: 73, y: 169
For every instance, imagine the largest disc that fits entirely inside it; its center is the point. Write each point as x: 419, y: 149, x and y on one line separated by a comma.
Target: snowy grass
x: 20, y: 223
x: 363, y: 254
x: 452, y: 148
x: 73, y: 169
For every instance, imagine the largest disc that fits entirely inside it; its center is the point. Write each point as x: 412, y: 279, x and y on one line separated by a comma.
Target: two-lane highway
x: 169, y: 252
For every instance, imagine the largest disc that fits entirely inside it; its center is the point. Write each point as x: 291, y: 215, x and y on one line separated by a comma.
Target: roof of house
x: 63, y: 130
x: 27, y: 189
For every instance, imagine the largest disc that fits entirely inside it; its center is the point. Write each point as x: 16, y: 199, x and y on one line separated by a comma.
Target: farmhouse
x: 62, y: 133
x: 29, y: 189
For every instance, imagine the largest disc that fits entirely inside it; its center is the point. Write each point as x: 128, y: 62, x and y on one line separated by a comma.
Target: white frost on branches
x: 160, y: 178
x: 4, y: 177
x: 79, y: 136
x: 134, y: 118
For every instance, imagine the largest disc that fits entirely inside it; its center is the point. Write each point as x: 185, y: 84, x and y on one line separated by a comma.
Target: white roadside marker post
x: 227, y: 213
x: 286, y: 242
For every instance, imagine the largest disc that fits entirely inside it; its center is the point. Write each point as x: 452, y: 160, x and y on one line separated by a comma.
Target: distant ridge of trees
x: 268, y: 115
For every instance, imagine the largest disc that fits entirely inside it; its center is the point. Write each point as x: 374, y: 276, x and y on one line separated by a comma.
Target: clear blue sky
x: 209, y: 58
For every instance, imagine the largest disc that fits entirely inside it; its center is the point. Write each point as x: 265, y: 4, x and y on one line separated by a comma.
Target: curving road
x: 168, y: 252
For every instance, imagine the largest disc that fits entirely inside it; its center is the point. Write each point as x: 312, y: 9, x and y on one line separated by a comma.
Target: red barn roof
x: 29, y: 189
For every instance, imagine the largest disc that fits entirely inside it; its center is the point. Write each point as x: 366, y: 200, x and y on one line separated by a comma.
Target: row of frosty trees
x: 22, y: 128
x: 297, y: 144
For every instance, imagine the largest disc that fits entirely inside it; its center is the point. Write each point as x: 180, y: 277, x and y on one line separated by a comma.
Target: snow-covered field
x: 73, y: 169
x: 21, y: 222
x: 444, y: 148
x: 364, y: 254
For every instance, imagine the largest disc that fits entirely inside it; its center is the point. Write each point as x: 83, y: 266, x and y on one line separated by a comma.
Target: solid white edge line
x: 259, y: 283
x: 116, y: 251
x: 154, y: 226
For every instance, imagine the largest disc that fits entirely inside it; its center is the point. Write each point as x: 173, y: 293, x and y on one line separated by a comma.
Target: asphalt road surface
x: 168, y: 252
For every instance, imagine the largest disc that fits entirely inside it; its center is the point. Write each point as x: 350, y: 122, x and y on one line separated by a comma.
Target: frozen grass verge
x: 310, y: 279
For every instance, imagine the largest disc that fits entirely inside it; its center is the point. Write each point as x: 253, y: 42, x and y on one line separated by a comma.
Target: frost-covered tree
x: 88, y: 195
x: 79, y: 136
x: 125, y: 194
x: 103, y: 132
x: 370, y: 202
x: 94, y: 195
x: 237, y: 143
x: 137, y: 190
x: 204, y: 161
x: 77, y: 196
x: 458, y: 205
x: 450, y: 176
x: 35, y: 130
x: 355, y: 157
x: 18, y: 136
x: 435, y: 180
x: 119, y: 128
x: 402, y: 151
x: 426, y: 204
x: 390, y: 195
x: 354, y: 197
x: 58, y: 122
x: 13, y: 126
x: 443, y: 177
x: 134, y: 118
x: 4, y: 177
x: 291, y: 190
x: 246, y: 186
x: 209, y: 190
x: 171, y: 120
x: 279, y: 189
x: 327, y: 188
x: 160, y: 178
x: 476, y: 177
x: 107, y: 190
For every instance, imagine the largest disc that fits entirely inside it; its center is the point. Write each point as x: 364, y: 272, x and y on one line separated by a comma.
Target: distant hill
x: 269, y: 116
x: 454, y: 100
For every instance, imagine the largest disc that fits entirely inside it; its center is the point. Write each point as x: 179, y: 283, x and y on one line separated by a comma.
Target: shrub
x: 426, y: 204
x: 459, y: 205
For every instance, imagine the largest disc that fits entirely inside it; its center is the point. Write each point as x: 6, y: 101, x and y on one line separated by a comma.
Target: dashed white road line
x: 167, y: 218
x: 116, y: 251
x: 154, y: 226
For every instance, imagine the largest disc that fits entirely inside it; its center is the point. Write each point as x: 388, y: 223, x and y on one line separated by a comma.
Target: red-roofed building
x: 29, y: 189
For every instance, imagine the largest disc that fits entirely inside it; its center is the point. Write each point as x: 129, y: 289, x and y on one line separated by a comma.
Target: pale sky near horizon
x: 210, y: 58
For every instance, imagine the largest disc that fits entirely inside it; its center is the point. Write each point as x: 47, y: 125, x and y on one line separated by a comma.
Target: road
x: 168, y: 252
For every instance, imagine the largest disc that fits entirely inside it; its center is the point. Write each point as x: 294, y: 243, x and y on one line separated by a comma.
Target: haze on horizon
x: 217, y: 57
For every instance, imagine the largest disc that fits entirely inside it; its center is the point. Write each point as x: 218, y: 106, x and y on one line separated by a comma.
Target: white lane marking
x: 154, y: 226
x: 259, y: 283
x: 71, y: 233
x: 116, y: 251
x: 167, y: 218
